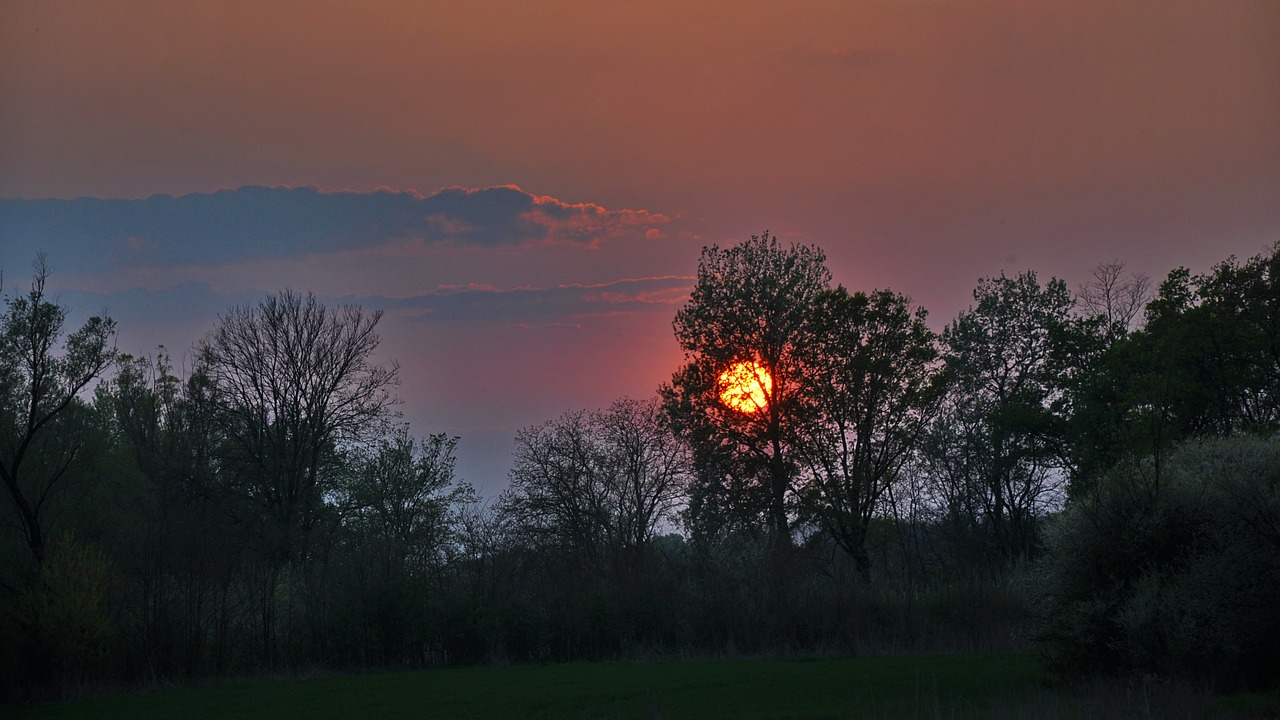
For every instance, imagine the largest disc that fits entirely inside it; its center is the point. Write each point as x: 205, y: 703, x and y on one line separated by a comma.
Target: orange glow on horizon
x: 746, y: 387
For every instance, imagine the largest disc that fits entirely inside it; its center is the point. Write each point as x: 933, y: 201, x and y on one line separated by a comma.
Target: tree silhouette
x: 873, y: 382
x: 39, y: 389
x: 595, y: 485
x: 292, y: 383
x: 753, y: 302
x: 997, y: 442
x: 293, y: 380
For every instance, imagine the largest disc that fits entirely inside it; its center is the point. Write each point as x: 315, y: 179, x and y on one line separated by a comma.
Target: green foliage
x: 399, y: 498
x: 1206, y: 362
x: 68, y: 612
x: 40, y: 440
x: 1174, y: 575
x: 263, y: 514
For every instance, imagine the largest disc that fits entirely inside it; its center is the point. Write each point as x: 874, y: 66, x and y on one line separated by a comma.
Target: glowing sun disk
x: 745, y: 387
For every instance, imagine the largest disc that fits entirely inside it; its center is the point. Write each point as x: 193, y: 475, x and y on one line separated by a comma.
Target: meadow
x: 1003, y: 685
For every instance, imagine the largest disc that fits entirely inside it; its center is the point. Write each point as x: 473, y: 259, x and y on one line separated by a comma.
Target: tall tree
x: 998, y: 441
x: 1242, y: 300
x: 293, y: 384
x: 39, y: 390
x: 556, y: 492
x: 752, y: 305
x: 294, y: 381
x: 874, y: 382
x: 190, y: 550
x: 1206, y: 362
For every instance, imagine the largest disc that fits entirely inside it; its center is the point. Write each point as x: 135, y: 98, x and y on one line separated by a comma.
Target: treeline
x: 823, y: 473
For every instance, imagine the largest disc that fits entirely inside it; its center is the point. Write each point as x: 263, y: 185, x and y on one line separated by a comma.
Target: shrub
x: 68, y: 622
x: 1175, y: 573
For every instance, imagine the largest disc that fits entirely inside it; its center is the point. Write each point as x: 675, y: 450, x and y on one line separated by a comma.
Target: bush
x: 67, y: 623
x: 1175, y: 573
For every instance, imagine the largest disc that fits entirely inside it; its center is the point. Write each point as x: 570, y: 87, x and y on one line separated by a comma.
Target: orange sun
x: 746, y: 387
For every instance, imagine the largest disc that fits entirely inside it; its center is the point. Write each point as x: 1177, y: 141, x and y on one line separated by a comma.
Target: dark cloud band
x: 254, y: 222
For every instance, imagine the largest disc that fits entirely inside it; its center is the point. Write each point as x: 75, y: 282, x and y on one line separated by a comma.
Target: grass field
x: 940, y: 686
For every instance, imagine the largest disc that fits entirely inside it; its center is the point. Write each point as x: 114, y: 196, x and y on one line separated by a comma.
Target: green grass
x: 826, y: 688
x: 938, y: 686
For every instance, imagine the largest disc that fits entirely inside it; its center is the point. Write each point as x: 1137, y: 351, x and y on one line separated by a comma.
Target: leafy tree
x: 40, y: 388
x: 190, y: 551
x: 1206, y: 362
x: 400, y: 503
x: 996, y: 445
x: 753, y: 303
x: 873, y: 382
x: 1242, y: 301
x: 399, y: 499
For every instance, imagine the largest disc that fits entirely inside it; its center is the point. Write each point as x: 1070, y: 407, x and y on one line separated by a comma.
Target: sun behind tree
x: 746, y: 387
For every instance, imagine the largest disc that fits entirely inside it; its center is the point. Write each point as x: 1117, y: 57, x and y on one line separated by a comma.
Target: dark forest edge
x: 1094, y: 475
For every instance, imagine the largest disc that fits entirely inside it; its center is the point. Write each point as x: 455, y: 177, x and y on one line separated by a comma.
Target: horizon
x: 535, y: 185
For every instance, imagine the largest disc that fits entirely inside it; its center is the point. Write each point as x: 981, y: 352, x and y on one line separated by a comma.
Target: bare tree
x: 645, y: 472
x: 1115, y: 296
x: 293, y: 382
x: 556, y: 492
x: 596, y: 485
x: 38, y: 390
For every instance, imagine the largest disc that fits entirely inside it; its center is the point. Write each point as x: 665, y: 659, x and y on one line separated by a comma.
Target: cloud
x: 254, y: 223
x: 198, y: 304
x: 544, y: 306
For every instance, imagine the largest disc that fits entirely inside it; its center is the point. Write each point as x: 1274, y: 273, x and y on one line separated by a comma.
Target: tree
x: 294, y: 381
x: 556, y: 493
x: 1242, y: 300
x: 1115, y: 297
x: 596, y: 485
x: 997, y: 443
x: 189, y: 523
x: 646, y: 469
x: 1178, y: 577
x: 1206, y: 362
x: 401, y: 509
x: 293, y: 384
x: 399, y: 498
x: 873, y: 382
x: 752, y: 303
x: 39, y: 392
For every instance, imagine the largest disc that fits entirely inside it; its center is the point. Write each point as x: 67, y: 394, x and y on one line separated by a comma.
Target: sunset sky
x: 524, y: 188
